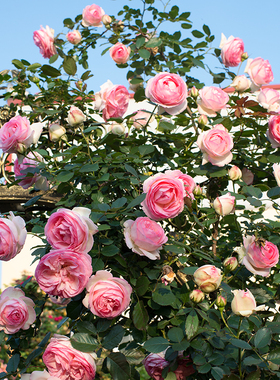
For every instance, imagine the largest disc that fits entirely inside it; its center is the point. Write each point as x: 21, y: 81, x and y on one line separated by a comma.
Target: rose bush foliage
x: 183, y: 268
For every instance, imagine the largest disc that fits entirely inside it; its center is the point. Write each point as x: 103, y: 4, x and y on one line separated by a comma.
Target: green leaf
x: 146, y: 149
x: 136, y: 201
x: 118, y: 366
x: 50, y: 71
x: 217, y: 373
x: 103, y: 324
x: 110, y: 250
x: 171, y: 376
x: 2, y: 337
x: 69, y: 65
x: 186, y: 26
x: 204, y: 368
x: 140, y: 316
x: 163, y: 295
x: 250, y: 360
x: 189, y: 270
x: 262, y: 338
x: 45, y: 340
x: 118, y: 203
x: 113, y: 338
x: 197, y: 62
x: 145, y: 54
x: 182, y: 346
x: 256, y: 375
x: 156, y: 345
x: 32, y: 201
x: 74, y: 309
x: 68, y: 23
x: 153, y: 42
x: 140, y: 42
x: 33, y: 355
x: 197, y: 34
x: 64, y: 176
x: 274, y: 356
x: 131, y: 170
x: 142, y: 285
x: 252, y: 191
x: 53, y: 58
x: 13, y: 363
x: 89, y: 168
x: 192, y: 323
x: 274, y: 192
x: 86, y: 75
x: 18, y: 64
x: 86, y: 327
x: 206, y: 30
x: 34, y: 66
x: 240, y: 344
x: 165, y: 126
x: 175, y: 334
x: 254, y: 202
x: 84, y: 342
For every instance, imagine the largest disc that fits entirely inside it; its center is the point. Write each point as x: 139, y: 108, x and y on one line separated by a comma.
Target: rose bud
x: 221, y: 302
x: 247, y: 176
x: 244, y: 56
x: 194, y: 92
x: 235, y: 173
x: 75, y: 116
x: 117, y: 129
x: 231, y: 263
x: 241, y: 83
x: 197, y: 296
x: 56, y: 131
x: 106, y: 19
x: 202, y: 120
x: 197, y: 190
x: 74, y: 37
x: 208, y: 278
x: 224, y: 205
x: 244, y: 303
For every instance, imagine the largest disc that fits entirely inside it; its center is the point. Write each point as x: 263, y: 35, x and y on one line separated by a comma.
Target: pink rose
x: 211, y: 100
x: 154, y: 364
x: 75, y: 116
x: 273, y: 132
x: 232, y: 49
x: 120, y: 53
x: 27, y: 171
x: 71, y: 229
x: 44, y: 39
x: 107, y: 296
x: 276, y: 172
x: 269, y: 99
x: 216, y: 144
x: 208, y: 278
x: 261, y: 255
x: 39, y: 375
x: 224, y: 204
x: 169, y: 91
x: 247, y: 176
x: 234, y: 173
x: 141, y: 118
x: 241, y: 83
x: 17, y: 135
x: 144, y: 237
x: 164, y: 196
x: 112, y: 100
x: 244, y: 303
x: 63, y: 272
x: 189, y: 183
x: 16, y: 311
x: 74, y: 37
x: 92, y: 15
x: 259, y: 71
x: 67, y: 363
x: 12, y: 236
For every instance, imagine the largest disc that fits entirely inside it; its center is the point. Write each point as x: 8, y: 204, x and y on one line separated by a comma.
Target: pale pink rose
x: 107, y: 296
x: 144, y: 237
x: 63, y: 272
x: 197, y: 295
x: 56, y: 131
x: 39, y: 375
x: 16, y: 311
x: 276, y: 172
x: 269, y: 99
x: 67, y: 363
x: 154, y: 364
x: 261, y: 255
x: 27, y: 171
x: 244, y: 303
x: 231, y: 263
x: 71, y: 229
x: 92, y: 15
x: 259, y: 71
x: 208, y: 278
x: 202, y: 120
x: 211, y: 100
x: 17, y: 135
x: 216, y: 145
x: 120, y: 53
x: 12, y: 236
x: 189, y: 183
x: 117, y: 129
x: 247, y: 176
x: 169, y: 91
x: 74, y: 37
x: 232, y: 49
x: 75, y: 116
x: 234, y: 173
x: 241, y: 83
x: 164, y: 196
x: 273, y: 132
x: 141, y: 118
x: 44, y: 39
x: 224, y: 204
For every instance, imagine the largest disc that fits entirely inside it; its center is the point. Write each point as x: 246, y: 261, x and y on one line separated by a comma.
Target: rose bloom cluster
x: 165, y: 194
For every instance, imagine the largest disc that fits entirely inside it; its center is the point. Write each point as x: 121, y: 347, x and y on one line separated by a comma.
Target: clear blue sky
x: 256, y: 22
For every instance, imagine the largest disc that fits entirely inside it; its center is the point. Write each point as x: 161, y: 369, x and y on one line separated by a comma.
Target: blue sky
x: 253, y: 21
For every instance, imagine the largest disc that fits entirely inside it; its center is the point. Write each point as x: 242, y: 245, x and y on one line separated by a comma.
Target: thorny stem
x: 215, y: 236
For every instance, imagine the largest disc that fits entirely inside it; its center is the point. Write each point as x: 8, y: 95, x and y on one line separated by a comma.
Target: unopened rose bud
x: 241, y: 83
x: 221, y: 302
x: 106, y: 19
x: 79, y: 84
x: 224, y: 204
x: 231, y: 263
x: 41, y: 184
x: 202, y: 120
x: 194, y: 92
x: 197, y: 190
x: 117, y: 129
x: 74, y: 37
x: 244, y: 56
x: 208, y: 278
x: 235, y: 173
x: 56, y: 131
x: 197, y: 296
x: 75, y: 116
x: 247, y: 176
